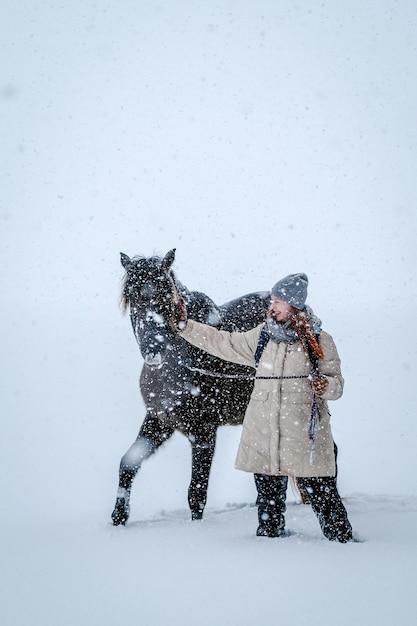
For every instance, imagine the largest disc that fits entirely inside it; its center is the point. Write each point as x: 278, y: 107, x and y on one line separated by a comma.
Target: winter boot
x: 121, y: 510
x: 271, y: 505
x: 328, y: 507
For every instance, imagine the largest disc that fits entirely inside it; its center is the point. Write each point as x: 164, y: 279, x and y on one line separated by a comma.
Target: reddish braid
x: 300, y: 323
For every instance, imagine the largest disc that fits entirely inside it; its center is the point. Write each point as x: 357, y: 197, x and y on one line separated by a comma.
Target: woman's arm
x: 329, y: 366
x: 235, y: 347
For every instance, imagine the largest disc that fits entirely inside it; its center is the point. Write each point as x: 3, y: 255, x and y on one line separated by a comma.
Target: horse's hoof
x: 118, y: 520
x: 120, y: 514
x: 197, y: 516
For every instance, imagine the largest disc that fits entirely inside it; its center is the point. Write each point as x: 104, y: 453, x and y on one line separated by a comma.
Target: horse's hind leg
x: 202, y: 458
x: 151, y: 436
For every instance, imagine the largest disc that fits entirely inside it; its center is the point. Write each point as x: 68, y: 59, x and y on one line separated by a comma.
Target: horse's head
x: 150, y: 292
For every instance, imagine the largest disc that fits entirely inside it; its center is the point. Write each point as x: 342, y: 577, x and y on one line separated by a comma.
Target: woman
x: 286, y: 430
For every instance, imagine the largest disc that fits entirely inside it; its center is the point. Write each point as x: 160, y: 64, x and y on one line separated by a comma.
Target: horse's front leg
x: 202, y: 458
x: 152, y: 435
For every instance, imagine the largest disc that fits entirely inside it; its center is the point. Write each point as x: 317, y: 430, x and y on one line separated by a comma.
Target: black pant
x: 323, y: 497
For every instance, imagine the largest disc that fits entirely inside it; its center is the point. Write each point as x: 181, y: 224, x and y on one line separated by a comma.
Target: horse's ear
x: 125, y: 260
x: 169, y: 259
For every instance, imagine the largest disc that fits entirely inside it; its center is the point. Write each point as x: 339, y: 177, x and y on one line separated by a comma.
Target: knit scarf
x: 284, y: 332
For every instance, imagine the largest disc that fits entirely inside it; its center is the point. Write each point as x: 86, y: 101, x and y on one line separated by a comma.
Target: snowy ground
x: 165, y: 570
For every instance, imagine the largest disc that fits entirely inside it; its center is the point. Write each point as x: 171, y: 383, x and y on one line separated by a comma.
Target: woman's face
x: 280, y: 310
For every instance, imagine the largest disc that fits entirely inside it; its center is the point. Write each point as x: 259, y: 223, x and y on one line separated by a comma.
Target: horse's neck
x: 181, y: 289
x: 245, y: 312
x: 178, y: 364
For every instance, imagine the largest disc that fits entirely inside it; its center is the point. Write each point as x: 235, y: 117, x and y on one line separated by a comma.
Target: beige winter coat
x: 275, y: 437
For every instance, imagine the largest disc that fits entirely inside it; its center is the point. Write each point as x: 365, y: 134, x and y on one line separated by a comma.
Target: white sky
x: 259, y: 139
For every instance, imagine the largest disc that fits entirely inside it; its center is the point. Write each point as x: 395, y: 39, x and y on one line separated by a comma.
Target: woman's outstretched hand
x: 182, y: 315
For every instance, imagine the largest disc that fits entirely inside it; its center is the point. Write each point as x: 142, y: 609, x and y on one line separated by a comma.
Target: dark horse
x: 183, y: 388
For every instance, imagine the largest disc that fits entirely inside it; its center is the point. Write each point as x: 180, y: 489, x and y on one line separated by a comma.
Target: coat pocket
x: 260, y: 395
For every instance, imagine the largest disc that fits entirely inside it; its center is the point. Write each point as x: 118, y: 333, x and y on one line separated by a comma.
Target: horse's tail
x: 298, y: 491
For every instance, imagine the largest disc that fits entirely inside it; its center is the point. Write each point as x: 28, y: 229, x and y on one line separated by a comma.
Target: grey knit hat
x: 292, y: 289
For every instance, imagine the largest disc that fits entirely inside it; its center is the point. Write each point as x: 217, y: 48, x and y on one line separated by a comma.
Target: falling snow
x: 259, y: 139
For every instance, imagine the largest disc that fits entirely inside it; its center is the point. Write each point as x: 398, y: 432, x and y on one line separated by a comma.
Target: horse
x: 183, y: 388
